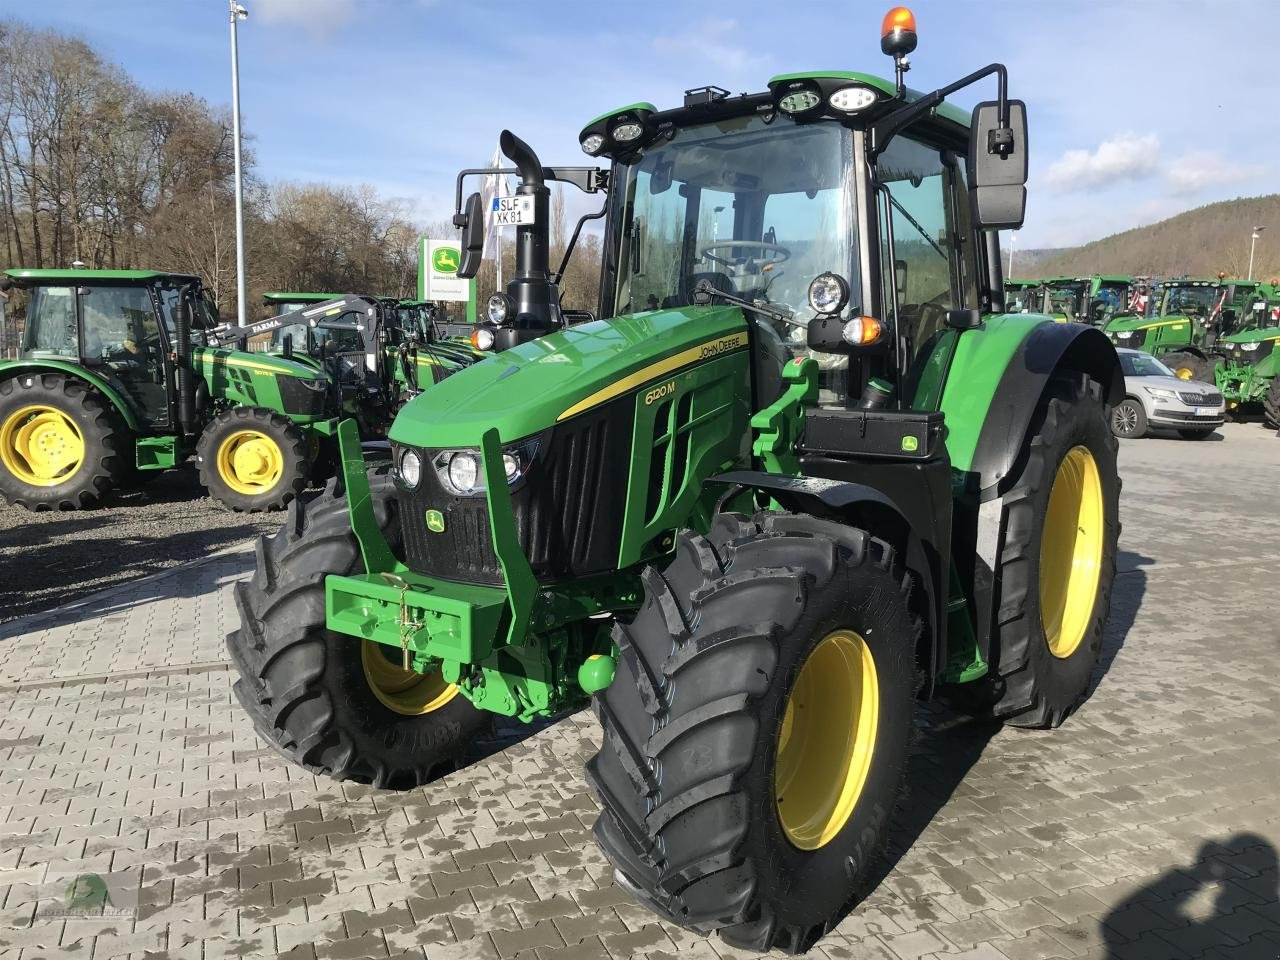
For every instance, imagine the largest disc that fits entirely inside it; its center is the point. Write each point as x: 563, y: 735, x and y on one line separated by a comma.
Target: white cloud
x: 1194, y: 171
x: 317, y: 17
x: 1129, y: 156
x: 709, y: 40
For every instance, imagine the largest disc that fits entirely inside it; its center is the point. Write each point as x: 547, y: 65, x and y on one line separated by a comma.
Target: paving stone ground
x: 1147, y: 827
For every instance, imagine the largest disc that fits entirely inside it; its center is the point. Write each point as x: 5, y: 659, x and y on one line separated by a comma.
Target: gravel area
x: 48, y: 559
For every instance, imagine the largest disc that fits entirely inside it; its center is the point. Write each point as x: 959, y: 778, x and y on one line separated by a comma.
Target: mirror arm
x: 884, y: 130
x: 586, y: 179
x: 568, y: 250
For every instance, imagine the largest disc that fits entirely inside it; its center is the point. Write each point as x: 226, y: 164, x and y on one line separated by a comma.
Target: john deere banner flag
x: 438, y: 279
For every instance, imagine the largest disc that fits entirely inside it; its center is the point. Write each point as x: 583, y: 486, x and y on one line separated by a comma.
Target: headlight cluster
x: 1161, y: 394
x: 461, y: 473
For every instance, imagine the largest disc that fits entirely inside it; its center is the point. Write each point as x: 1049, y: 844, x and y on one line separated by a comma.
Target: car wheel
x: 1128, y: 419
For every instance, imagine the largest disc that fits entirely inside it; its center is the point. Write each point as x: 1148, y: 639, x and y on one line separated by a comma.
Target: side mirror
x: 998, y: 166
x: 472, y: 237
x: 287, y: 350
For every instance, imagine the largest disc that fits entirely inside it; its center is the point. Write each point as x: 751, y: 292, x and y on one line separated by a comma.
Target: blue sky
x: 1135, y: 110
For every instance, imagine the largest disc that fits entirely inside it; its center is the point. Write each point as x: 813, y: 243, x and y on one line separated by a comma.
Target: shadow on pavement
x: 1126, y: 600
x: 1224, y: 903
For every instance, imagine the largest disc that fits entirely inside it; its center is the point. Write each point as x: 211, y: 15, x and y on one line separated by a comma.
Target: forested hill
x: 1198, y: 243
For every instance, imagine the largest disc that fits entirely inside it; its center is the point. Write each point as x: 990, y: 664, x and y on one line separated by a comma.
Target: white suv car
x: 1154, y: 397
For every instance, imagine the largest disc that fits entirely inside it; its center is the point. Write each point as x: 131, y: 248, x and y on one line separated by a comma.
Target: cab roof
x: 37, y: 275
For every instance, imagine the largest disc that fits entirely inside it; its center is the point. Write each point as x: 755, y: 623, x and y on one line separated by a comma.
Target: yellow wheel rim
x: 250, y: 462
x: 1071, y: 552
x: 41, y: 446
x: 1183, y: 373
x: 827, y: 740
x: 404, y: 691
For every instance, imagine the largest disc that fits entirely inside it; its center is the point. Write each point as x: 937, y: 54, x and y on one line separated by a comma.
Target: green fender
x: 996, y: 381
x: 16, y: 368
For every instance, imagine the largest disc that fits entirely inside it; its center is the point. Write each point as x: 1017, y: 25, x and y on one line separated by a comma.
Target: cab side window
x: 925, y: 239
x: 51, y: 322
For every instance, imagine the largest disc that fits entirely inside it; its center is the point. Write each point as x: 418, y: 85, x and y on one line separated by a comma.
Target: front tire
x: 252, y: 459
x: 329, y: 702
x: 62, y: 446
x: 1128, y: 419
x: 756, y: 734
x: 1271, y: 404
x: 1058, y: 560
x: 1188, y: 366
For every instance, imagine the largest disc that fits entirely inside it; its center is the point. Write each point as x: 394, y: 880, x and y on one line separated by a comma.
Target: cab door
x: 120, y: 339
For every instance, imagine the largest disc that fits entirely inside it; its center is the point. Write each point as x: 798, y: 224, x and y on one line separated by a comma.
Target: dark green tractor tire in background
x: 62, y: 445
x: 253, y: 459
x: 331, y: 703
x: 1271, y: 404
x: 1189, y: 366
x: 756, y: 736
x: 1057, y: 563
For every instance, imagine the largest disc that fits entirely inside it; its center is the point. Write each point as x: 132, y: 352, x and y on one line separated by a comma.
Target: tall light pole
x: 238, y: 13
x: 1013, y: 239
x: 1253, y: 243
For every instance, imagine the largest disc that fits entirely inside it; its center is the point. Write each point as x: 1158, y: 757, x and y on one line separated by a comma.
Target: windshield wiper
x: 916, y: 223
x: 704, y: 291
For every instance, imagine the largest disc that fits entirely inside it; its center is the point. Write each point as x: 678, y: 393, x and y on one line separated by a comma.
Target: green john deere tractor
x: 1095, y: 300
x: 1248, y: 361
x: 1020, y: 295
x: 804, y: 471
x: 117, y: 380
x: 1189, y: 318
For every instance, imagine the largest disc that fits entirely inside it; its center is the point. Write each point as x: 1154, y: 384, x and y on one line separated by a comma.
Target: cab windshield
x: 1189, y: 301
x: 1068, y: 299
x: 758, y: 209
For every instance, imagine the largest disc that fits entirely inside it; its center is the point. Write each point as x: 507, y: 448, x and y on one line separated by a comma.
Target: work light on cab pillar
x: 897, y: 39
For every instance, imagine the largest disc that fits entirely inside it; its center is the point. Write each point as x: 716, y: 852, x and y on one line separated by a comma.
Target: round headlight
x: 498, y: 308
x: 482, y: 339
x: 410, y: 469
x: 798, y: 102
x: 852, y: 99
x: 626, y: 132
x: 510, y: 466
x: 463, y: 472
x: 828, y: 293
x: 592, y: 143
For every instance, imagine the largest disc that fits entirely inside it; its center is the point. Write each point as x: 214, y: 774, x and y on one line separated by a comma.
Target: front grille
x: 568, y: 508
x: 1210, y: 398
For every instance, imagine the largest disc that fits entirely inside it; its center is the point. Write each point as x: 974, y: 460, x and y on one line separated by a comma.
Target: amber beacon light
x: 898, y: 32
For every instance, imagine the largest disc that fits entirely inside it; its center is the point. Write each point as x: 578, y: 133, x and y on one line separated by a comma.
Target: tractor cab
x: 1093, y: 300
x: 1021, y: 296
x: 118, y: 324
x: 310, y: 342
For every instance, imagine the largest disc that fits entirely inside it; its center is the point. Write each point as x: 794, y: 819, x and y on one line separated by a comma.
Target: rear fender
x: 1046, y: 351
x: 20, y: 368
x: 857, y: 504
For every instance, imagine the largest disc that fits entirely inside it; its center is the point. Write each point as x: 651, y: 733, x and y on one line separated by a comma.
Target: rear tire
x: 62, y: 445
x: 309, y: 691
x: 1271, y: 404
x: 247, y: 483
x: 1128, y: 419
x: 1188, y: 366
x: 701, y: 710
x: 1057, y: 563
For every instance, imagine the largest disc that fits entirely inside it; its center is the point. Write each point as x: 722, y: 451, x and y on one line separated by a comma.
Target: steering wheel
x: 779, y: 254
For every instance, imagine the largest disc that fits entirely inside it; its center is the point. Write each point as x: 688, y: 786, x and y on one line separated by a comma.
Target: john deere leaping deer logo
x: 444, y: 260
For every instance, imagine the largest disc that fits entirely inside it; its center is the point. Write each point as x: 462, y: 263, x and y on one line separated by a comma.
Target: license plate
x: 513, y: 211
x: 1206, y: 411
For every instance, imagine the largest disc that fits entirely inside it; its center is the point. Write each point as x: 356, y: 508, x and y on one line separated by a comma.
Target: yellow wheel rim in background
x: 404, y: 691
x: 1071, y: 552
x: 1184, y: 373
x: 827, y: 739
x: 41, y: 446
x: 250, y: 462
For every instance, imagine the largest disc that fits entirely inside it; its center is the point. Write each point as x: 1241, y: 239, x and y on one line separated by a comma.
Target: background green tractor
x: 117, y: 380
x: 1020, y: 295
x: 1095, y: 300
x: 1188, y: 317
x: 1247, y: 359
x: 777, y: 494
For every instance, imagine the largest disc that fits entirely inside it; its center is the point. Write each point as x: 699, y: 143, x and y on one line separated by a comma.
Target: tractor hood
x: 1256, y: 335
x: 1144, y: 323
x: 213, y: 358
x: 528, y: 388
